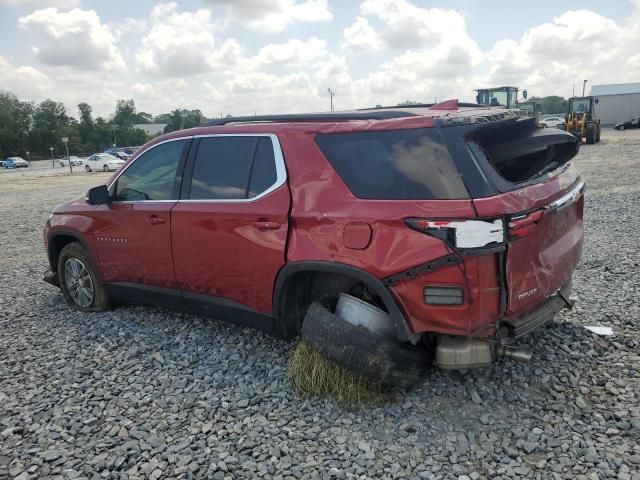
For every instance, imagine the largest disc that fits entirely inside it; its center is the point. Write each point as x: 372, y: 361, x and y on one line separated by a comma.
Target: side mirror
x: 524, y: 94
x: 98, y: 195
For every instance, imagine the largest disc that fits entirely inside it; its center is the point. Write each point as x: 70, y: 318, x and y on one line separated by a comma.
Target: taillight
x: 521, y: 225
x: 462, y: 234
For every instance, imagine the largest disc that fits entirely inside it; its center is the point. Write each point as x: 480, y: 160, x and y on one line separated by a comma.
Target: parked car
x: 16, y: 162
x: 75, y: 161
x: 552, y: 122
x: 385, y: 237
x: 633, y: 123
x: 104, y: 162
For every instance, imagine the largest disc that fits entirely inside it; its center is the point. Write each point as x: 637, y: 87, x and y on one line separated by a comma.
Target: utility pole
x: 65, y: 140
x: 28, y: 158
x: 584, y: 84
x: 115, y: 142
x: 331, y: 95
x: 52, y: 162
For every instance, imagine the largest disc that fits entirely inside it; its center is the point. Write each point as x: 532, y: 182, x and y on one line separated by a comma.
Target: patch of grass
x: 314, y: 375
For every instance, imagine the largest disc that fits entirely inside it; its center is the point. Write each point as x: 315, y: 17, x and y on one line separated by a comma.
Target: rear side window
x: 394, y: 164
x: 233, y: 168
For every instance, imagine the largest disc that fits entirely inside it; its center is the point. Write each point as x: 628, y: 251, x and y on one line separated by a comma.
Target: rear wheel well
x: 301, y: 289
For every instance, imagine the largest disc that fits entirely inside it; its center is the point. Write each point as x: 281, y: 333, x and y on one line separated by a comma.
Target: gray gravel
x: 145, y: 393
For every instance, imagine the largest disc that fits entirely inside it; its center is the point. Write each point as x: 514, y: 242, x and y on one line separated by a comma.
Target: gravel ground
x: 145, y: 393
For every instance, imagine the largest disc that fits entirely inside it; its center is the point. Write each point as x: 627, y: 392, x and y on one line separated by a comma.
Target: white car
x: 102, y: 161
x: 552, y: 122
x: 75, y: 161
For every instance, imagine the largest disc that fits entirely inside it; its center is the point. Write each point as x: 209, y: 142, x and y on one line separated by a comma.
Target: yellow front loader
x: 581, y: 119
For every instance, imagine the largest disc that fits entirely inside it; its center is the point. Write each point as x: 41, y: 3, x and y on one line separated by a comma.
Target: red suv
x: 387, y: 236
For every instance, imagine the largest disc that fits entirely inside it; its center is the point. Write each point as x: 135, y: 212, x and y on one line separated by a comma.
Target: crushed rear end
x: 509, y: 269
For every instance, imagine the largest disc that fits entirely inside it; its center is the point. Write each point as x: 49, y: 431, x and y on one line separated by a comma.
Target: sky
x: 245, y: 57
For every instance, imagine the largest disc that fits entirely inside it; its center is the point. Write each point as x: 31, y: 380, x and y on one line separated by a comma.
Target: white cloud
x: 360, y: 36
x: 272, y: 16
x: 182, y: 43
x: 25, y: 81
x: 42, y: 3
x: 293, y: 52
x: 75, y: 38
x: 579, y: 44
x: 408, y: 26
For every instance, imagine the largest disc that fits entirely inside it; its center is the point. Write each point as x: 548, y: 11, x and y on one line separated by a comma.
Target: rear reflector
x: 462, y: 234
x: 443, y: 295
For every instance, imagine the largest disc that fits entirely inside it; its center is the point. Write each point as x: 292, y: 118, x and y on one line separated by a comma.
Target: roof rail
x: 420, y: 105
x: 312, y: 117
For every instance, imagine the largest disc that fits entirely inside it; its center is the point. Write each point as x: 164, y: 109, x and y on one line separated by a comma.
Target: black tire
x: 88, y: 169
x: 76, y: 251
x: 591, y: 134
x: 598, y: 132
x: 621, y: 127
x: 105, y: 168
x: 377, y: 358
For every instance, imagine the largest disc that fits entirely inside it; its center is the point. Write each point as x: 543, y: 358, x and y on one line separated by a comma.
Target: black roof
x: 314, y: 117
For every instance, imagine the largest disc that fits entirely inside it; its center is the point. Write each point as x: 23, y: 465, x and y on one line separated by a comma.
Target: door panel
x: 133, y: 242
x: 231, y: 250
x: 229, y: 230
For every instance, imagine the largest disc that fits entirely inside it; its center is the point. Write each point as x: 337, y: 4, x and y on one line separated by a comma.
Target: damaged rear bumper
x: 525, y: 324
x: 460, y: 352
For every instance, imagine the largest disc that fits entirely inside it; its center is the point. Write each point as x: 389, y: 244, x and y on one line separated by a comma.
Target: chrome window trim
x: 281, y: 171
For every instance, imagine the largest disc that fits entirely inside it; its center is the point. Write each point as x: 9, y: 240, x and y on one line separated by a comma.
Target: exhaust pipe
x: 517, y: 354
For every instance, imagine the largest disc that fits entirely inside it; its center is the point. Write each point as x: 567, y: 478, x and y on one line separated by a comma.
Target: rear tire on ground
x: 375, y: 357
x: 591, y: 133
x: 79, y: 280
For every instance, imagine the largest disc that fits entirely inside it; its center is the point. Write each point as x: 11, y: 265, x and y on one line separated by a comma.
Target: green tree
x: 15, y: 122
x: 125, y: 115
x: 162, y: 118
x: 408, y: 103
x: 553, y: 104
x: 85, y: 128
x: 49, y: 122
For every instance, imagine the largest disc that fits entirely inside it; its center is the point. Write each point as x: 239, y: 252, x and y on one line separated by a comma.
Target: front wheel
x: 105, y: 168
x: 621, y: 127
x: 79, y: 281
x: 62, y: 164
x: 88, y: 169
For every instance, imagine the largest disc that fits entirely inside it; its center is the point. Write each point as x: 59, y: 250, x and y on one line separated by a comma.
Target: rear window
x: 394, y: 164
x: 522, y: 153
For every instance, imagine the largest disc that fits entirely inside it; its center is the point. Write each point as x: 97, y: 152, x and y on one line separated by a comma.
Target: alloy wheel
x: 79, y: 282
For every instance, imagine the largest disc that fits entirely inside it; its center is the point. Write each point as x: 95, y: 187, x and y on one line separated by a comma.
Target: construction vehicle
x: 581, y: 120
x: 506, y: 97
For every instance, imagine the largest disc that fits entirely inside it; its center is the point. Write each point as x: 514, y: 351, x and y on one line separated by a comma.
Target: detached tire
x: 377, y: 358
x: 79, y: 280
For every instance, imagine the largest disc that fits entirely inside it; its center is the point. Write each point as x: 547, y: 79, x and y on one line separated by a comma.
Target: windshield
x: 493, y: 99
x: 580, y: 105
